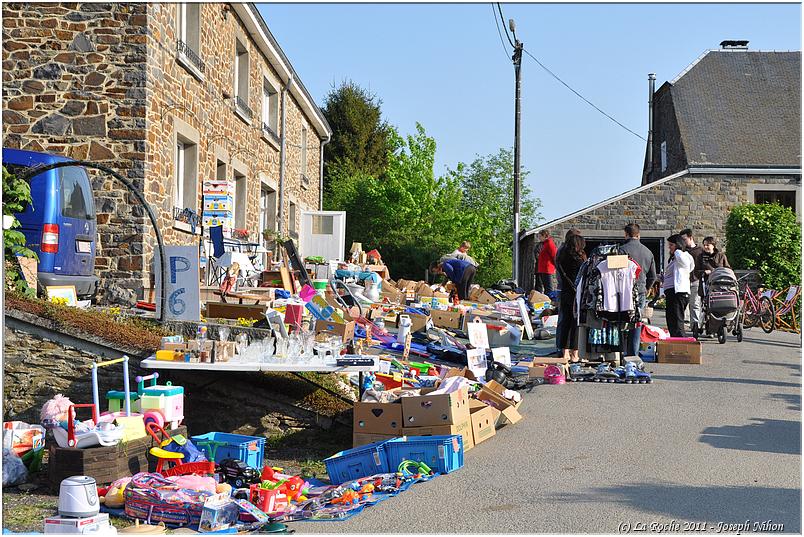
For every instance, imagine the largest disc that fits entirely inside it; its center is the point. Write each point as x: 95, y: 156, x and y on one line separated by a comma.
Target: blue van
x: 60, y: 226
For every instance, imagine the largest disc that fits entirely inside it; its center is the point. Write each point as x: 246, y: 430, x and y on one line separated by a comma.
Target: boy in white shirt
x: 677, y: 295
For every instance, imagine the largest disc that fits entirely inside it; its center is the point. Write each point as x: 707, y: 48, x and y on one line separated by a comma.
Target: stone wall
x: 179, y: 99
x: 699, y: 202
x: 102, y: 82
x: 74, y: 84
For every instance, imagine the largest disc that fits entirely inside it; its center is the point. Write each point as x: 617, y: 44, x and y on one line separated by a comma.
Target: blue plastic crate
x: 443, y: 454
x: 249, y: 449
x: 357, y: 462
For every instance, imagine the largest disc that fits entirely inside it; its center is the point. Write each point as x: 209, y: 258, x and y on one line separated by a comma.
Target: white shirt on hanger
x: 618, y: 285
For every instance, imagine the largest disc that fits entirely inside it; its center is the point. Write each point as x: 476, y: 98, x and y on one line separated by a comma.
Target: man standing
x: 696, y: 304
x: 546, y: 264
x: 642, y: 255
x: 460, y: 272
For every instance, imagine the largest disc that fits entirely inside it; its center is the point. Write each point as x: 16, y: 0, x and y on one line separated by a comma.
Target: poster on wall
x: 182, y: 289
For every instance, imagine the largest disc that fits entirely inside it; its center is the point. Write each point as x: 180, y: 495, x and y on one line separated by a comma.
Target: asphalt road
x: 718, y: 443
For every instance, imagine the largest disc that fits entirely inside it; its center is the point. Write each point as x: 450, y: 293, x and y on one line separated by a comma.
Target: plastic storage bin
x: 219, y: 446
x: 443, y: 454
x: 357, y: 462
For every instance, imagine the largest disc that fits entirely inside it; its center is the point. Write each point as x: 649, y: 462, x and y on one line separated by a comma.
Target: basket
x: 443, y: 454
x: 218, y: 446
x: 554, y: 375
x: 357, y: 462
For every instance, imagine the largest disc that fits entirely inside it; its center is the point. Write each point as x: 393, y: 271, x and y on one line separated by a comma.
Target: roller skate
x: 579, y: 373
x: 605, y: 373
x: 634, y: 374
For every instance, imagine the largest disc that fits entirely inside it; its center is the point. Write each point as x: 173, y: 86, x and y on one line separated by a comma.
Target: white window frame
x: 241, y: 58
x: 240, y: 197
x: 181, y: 30
x: 663, y: 155
x: 293, y: 211
x: 759, y: 187
x: 178, y: 184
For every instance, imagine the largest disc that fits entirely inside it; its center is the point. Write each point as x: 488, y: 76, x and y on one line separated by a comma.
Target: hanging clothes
x: 618, y: 286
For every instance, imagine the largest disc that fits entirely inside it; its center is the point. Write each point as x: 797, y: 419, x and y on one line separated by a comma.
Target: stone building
x: 169, y: 95
x: 726, y: 131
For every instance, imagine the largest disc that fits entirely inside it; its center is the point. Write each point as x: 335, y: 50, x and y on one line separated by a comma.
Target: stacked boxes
x: 219, y: 205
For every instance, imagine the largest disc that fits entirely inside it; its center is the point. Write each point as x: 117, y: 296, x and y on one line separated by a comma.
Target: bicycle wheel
x: 767, y: 315
x: 749, y: 315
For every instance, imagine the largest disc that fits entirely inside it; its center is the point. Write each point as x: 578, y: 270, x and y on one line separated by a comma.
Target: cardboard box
x: 345, y: 330
x: 418, y: 322
x: 483, y: 297
x: 361, y: 439
x: 447, y: 319
x: 378, y: 418
x: 464, y: 372
x: 464, y: 428
x: 484, y: 419
x: 492, y: 396
x: 678, y: 352
x: 98, y: 524
x: 428, y: 410
x: 223, y: 310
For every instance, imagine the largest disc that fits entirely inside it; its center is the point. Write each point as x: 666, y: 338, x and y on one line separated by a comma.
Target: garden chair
x: 216, y: 271
x: 787, y: 306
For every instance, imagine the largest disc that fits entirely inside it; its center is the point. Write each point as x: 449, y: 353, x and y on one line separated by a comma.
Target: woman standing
x: 676, y: 285
x: 569, y: 262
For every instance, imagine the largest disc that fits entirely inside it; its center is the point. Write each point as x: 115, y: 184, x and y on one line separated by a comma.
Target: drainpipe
x: 321, y: 174
x: 280, y: 225
x: 651, y: 85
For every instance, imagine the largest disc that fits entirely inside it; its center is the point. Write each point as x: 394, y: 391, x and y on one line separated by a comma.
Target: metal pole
x: 517, y: 57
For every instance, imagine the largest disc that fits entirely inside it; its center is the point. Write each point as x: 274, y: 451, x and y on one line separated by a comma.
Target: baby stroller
x: 721, y: 305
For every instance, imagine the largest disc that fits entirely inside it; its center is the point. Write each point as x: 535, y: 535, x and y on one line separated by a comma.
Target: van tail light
x: 50, y: 239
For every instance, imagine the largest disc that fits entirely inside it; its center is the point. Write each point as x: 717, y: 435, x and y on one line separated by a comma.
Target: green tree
x: 487, y: 186
x: 765, y: 237
x: 361, y: 140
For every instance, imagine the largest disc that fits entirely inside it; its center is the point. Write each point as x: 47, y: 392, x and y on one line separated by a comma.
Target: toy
x: 83, y: 435
x: 96, y: 398
x: 237, y: 473
x: 55, y: 411
x: 112, y: 496
x: 403, y: 469
x: 160, y: 404
x: 177, y: 449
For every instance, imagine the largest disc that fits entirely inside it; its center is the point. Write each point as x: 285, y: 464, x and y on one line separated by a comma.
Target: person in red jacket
x: 546, y: 263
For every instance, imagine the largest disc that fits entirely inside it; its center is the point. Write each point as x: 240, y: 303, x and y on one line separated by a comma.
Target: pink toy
x: 195, y: 482
x: 554, y: 375
x: 55, y: 410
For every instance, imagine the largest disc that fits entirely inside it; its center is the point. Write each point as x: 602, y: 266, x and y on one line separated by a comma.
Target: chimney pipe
x: 651, y: 86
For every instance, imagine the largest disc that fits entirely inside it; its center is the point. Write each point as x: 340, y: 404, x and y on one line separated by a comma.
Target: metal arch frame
x: 160, y: 244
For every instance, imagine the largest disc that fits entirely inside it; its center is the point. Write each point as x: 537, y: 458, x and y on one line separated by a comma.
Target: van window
x: 76, y: 196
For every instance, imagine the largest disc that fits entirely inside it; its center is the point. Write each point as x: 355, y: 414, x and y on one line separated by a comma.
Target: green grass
x: 312, y: 468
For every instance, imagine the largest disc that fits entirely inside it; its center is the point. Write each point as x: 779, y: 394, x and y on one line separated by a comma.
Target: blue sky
x: 443, y: 65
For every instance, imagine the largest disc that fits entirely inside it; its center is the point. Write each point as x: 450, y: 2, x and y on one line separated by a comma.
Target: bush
x: 767, y: 238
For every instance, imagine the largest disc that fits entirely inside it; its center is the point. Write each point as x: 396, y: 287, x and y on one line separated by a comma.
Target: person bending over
x: 459, y: 272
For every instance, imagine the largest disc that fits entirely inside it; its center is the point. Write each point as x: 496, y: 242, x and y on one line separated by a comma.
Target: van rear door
x: 77, y: 226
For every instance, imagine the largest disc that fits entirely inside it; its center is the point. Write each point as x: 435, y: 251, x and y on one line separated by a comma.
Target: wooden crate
x: 223, y: 310
x: 105, y: 464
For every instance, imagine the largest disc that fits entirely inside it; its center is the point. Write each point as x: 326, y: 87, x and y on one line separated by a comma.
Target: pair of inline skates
x: 630, y: 373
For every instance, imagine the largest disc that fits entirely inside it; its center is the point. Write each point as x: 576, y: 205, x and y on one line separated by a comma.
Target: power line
x: 502, y: 18
x: 581, y: 96
x: 502, y: 42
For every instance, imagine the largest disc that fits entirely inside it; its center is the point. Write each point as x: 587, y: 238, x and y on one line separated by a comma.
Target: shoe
x: 634, y: 374
x: 579, y: 373
x: 605, y: 373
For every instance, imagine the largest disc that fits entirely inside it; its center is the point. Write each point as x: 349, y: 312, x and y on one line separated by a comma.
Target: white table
x: 152, y: 363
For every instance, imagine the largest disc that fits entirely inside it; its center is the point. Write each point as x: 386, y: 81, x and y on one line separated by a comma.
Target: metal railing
x: 243, y: 108
x: 186, y: 215
x: 196, y: 61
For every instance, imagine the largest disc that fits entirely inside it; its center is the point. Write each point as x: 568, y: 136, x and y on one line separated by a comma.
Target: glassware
x: 223, y: 333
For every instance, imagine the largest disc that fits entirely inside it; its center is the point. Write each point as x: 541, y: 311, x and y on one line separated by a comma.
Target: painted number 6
x: 176, y: 305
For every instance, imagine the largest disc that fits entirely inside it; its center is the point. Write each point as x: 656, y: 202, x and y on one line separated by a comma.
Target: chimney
x: 734, y: 45
x: 651, y: 90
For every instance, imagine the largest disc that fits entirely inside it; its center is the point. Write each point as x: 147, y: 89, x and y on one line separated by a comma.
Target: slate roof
x: 741, y: 108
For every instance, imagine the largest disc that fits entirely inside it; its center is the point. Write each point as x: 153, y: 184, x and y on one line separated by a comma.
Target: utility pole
x: 517, y: 58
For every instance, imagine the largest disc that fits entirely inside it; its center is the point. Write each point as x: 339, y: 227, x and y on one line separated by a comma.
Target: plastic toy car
x: 236, y: 473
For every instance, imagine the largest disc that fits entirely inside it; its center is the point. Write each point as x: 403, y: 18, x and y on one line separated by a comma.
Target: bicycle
x: 758, y: 309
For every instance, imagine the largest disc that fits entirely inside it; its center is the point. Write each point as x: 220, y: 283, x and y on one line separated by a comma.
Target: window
x: 664, y: 155
x: 76, y: 194
x: 241, y: 82
x: 240, y: 201
x: 304, y: 151
x: 270, y: 106
x: 292, y: 220
x: 184, y: 186
x: 188, y: 42
x: 322, y: 224
x: 785, y: 198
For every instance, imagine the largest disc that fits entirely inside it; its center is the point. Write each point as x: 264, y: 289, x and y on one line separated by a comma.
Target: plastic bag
x: 14, y: 471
